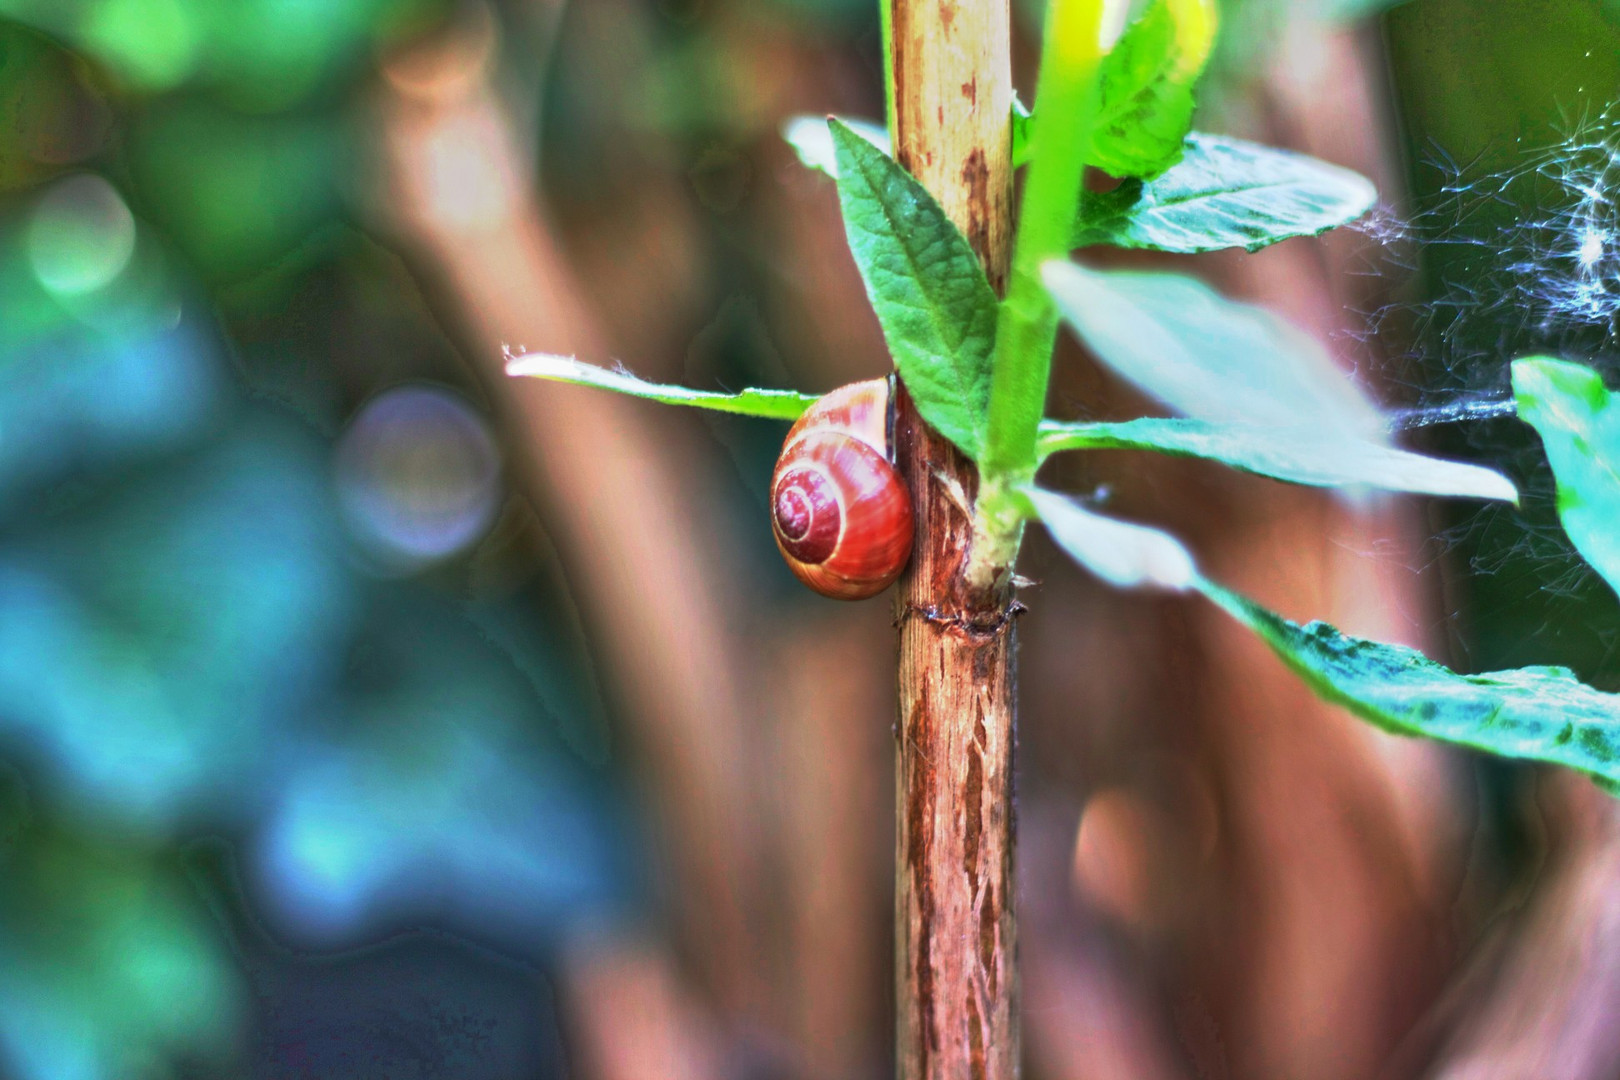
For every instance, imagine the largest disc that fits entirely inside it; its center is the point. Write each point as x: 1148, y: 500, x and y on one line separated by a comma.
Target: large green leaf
x: 1225, y: 193
x: 1579, y: 424
x: 811, y: 139
x: 936, y: 307
x: 1534, y: 713
x: 1297, y: 455
x: 772, y: 404
x: 1208, y: 357
x: 1122, y: 553
x: 1145, y: 91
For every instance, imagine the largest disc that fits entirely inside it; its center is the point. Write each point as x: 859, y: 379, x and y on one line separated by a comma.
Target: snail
x: 840, y: 512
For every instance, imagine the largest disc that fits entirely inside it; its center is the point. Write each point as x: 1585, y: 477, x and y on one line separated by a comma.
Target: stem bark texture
x: 956, y: 978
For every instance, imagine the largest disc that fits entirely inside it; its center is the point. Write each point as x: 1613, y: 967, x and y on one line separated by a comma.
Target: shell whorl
x: 841, y: 516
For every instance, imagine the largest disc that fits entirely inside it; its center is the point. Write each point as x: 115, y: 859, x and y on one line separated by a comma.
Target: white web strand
x: 1514, y: 263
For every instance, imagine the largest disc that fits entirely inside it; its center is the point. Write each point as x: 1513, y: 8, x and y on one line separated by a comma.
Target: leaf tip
x: 536, y: 365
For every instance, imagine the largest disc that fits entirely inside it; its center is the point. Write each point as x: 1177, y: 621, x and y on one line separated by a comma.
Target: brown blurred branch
x: 641, y: 549
x: 1543, y: 997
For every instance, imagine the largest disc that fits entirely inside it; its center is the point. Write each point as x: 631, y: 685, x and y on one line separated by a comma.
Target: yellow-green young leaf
x: 936, y: 307
x: 1225, y: 193
x: 1533, y: 713
x: 1576, y: 417
x: 1295, y: 455
x: 1146, y: 99
x: 1124, y: 554
x: 771, y: 404
x: 811, y: 139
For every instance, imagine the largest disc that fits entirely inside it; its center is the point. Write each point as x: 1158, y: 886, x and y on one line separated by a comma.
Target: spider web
x: 1508, y: 263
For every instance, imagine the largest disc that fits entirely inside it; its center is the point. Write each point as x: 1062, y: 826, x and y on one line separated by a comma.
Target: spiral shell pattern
x: 841, y: 516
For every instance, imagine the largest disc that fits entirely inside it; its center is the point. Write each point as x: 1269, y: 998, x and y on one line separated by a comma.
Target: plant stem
x: 1026, y: 331
x: 956, y: 978
x: 886, y: 20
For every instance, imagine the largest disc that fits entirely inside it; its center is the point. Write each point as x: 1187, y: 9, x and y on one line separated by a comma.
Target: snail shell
x: 841, y: 514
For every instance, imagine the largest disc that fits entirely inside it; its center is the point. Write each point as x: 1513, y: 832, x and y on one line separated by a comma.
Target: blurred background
x: 364, y: 713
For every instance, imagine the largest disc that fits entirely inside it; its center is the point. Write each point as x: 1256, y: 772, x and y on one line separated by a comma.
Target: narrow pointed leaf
x: 1533, y: 714
x: 1023, y: 130
x: 1295, y: 455
x: 1124, y: 554
x: 1208, y: 357
x: 1576, y: 417
x: 771, y: 404
x: 932, y: 299
x: 811, y: 139
x: 1145, y: 91
x: 1225, y: 193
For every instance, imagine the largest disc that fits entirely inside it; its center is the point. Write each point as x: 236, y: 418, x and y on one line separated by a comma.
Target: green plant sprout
x: 1249, y: 391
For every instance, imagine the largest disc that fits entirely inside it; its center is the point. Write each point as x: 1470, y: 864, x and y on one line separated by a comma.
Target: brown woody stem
x: 956, y: 975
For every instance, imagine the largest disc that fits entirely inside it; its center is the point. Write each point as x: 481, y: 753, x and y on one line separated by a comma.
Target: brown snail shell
x: 841, y: 515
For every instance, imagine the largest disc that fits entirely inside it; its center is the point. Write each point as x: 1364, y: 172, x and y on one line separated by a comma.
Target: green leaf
x: 1225, y: 193
x: 1207, y: 357
x: 1533, y: 713
x: 932, y: 299
x: 1124, y: 554
x: 1146, y: 94
x: 1579, y: 424
x: 108, y: 966
x: 1023, y: 131
x: 811, y: 139
x: 772, y: 404
x: 1297, y: 455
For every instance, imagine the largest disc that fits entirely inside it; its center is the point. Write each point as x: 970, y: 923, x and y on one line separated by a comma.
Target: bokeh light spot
x: 81, y: 236
x: 154, y: 43
x: 418, y: 476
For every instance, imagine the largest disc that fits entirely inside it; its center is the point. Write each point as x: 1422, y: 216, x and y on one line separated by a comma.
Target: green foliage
x: 1225, y: 193
x: 1026, y: 328
x: 107, y: 965
x: 1534, y: 713
x: 1146, y: 99
x: 1297, y: 455
x: 774, y: 404
x: 1208, y: 357
x: 1578, y: 422
x: 1124, y: 554
x: 931, y: 296
x: 1023, y: 132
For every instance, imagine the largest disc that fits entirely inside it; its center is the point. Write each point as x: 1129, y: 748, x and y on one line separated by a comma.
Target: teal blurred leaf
x: 1122, y: 553
x: 108, y: 966
x: 1225, y: 193
x: 446, y: 794
x: 771, y: 404
x: 76, y: 404
x: 936, y: 307
x: 1208, y: 357
x: 1296, y: 455
x: 1576, y: 417
x: 1533, y: 714
x: 160, y: 638
x: 1146, y: 89
x: 811, y: 139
